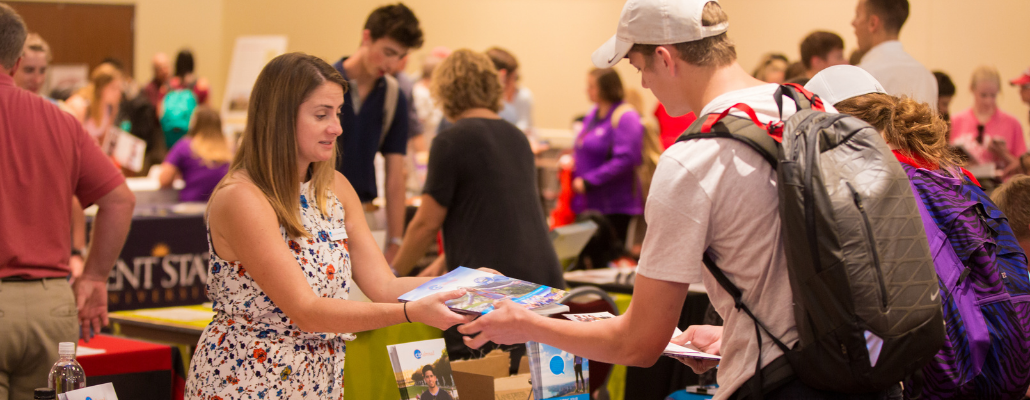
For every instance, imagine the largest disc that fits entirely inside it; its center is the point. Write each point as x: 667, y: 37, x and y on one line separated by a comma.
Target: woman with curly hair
x: 481, y: 185
x: 982, y: 270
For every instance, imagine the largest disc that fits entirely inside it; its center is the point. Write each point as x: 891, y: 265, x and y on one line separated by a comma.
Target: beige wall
x: 169, y: 25
x: 553, y: 39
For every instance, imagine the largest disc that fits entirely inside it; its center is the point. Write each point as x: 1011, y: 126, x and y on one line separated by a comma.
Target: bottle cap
x: 44, y: 394
x: 66, y: 349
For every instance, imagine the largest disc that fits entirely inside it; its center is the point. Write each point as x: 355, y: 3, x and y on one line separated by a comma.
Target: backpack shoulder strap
x: 619, y: 112
x: 389, y: 106
x: 738, y: 128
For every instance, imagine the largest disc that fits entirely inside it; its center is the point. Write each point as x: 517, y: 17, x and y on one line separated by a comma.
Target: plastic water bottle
x: 67, y: 375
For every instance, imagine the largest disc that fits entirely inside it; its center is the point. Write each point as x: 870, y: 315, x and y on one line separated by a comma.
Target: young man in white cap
x: 717, y: 195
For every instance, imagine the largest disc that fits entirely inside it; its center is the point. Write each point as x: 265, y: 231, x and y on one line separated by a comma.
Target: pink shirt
x: 1001, y: 126
x: 45, y: 158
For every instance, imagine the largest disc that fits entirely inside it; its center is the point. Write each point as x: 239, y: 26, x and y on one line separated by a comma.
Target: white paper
x: 249, y: 56
x: 178, y: 314
x: 590, y: 317
x: 88, y: 351
x: 98, y: 392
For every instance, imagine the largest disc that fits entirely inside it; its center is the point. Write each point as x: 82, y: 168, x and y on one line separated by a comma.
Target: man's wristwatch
x: 397, y: 240
x: 78, y: 252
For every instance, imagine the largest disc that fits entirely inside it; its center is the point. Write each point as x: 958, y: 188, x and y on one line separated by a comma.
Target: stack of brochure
x: 423, y: 370
x: 557, y: 374
x: 671, y: 349
x: 483, y: 289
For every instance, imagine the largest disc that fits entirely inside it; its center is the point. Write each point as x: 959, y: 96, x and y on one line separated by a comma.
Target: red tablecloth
x: 137, y: 369
x: 123, y: 356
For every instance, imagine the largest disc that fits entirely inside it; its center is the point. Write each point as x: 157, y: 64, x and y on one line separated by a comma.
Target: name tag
x: 338, y: 234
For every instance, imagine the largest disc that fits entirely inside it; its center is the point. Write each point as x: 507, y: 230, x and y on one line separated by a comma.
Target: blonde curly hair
x: 466, y: 80
x: 908, y: 125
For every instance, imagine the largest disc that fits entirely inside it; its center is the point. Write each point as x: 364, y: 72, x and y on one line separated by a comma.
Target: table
x: 667, y: 375
x: 367, y: 372
x: 137, y: 369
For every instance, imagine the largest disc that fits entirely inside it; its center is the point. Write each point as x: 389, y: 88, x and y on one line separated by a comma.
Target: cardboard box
x: 487, y: 378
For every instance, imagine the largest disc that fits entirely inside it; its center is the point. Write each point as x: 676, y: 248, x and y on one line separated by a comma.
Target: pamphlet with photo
x: 423, y: 370
x: 558, y: 374
x: 483, y: 289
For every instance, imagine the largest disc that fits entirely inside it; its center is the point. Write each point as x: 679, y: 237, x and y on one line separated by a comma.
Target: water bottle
x: 67, y: 375
x: 44, y: 394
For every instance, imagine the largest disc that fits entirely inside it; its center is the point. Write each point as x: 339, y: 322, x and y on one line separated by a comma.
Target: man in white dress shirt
x: 877, y: 24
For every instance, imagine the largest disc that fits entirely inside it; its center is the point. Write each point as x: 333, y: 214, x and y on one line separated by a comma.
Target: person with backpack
x: 374, y: 116
x: 715, y: 207
x: 984, y: 286
x: 186, y: 91
x: 606, y: 153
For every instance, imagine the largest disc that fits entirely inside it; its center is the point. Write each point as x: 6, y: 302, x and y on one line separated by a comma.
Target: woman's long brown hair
x: 268, y: 151
x: 909, y: 126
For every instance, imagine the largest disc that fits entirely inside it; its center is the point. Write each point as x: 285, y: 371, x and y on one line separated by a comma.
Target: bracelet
x: 406, y: 312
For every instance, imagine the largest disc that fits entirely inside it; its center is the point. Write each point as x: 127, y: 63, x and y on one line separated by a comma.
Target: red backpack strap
x: 803, y: 99
x: 714, y: 119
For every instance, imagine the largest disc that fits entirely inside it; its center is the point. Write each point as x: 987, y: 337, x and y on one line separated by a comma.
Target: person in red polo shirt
x: 46, y: 158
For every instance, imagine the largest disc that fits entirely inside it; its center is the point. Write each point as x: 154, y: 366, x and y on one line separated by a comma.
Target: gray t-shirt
x: 484, y: 173
x: 719, y: 194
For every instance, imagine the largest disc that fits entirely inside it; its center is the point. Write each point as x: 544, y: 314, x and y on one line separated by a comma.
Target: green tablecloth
x: 367, y: 372
x: 617, y: 378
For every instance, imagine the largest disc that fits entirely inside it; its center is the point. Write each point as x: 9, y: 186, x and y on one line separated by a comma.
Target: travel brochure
x: 423, y: 370
x: 484, y: 288
x: 671, y: 350
x: 557, y: 374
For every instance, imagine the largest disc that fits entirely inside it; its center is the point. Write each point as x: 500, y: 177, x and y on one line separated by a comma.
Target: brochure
x: 103, y: 391
x: 671, y: 350
x: 483, y: 288
x: 557, y: 374
x: 423, y: 370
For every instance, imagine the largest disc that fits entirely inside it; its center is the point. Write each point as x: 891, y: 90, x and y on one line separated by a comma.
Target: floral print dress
x: 252, y: 350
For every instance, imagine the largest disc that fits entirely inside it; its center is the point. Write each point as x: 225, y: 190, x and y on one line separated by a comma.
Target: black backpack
x: 856, y: 251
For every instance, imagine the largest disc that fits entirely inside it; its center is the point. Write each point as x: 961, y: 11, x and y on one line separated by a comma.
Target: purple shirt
x: 200, y: 179
x: 606, y: 158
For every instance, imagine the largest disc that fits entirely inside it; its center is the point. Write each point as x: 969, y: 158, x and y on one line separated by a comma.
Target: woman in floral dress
x: 288, y: 237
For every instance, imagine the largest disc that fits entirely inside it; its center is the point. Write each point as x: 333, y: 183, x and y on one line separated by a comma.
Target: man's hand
x: 490, y: 270
x: 77, y: 265
x: 91, y: 302
x: 506, y: 324
x: 706, y: 338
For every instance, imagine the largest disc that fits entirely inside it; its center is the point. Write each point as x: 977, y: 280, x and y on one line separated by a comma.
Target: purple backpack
x: 985, y: 293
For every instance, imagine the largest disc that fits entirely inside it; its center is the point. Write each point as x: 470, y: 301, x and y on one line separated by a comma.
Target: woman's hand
x: 706, y: 338
x: 432, y: 311
x: 579, y: 185
x: 490, y: 270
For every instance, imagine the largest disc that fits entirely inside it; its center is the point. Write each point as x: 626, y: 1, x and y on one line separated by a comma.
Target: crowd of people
x: 292, y: 205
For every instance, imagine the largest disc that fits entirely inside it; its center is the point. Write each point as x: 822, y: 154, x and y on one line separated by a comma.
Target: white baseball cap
x: 841, y: 82
x: 655, y: 22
